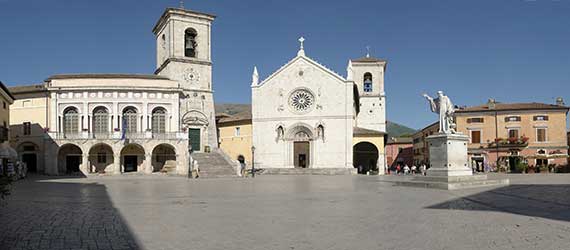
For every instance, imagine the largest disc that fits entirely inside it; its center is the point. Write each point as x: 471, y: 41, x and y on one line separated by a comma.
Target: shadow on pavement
x: 546, y: 201
x: 69, y: 216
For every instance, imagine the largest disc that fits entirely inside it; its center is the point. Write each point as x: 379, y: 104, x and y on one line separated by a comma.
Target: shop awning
x: 7, y: 152
x: 553, y: 156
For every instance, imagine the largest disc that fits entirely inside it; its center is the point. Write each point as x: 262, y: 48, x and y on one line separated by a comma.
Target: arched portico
x: 69, y: 159
x: 132, y: 158
x: 101, y: 158
x: 365, y: 157
x: 163, y: 158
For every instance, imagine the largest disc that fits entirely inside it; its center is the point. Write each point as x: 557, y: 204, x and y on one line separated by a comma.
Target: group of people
x: 407, y: 170
x: 19, y: 170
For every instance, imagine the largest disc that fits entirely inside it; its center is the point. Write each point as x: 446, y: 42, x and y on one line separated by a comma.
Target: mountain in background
x: 394, y: 129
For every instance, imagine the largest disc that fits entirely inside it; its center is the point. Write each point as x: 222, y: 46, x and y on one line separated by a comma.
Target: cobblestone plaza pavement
x: 283, y: 212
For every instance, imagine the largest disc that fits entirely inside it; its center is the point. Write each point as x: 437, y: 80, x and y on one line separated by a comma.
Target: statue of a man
x: 442, y: 105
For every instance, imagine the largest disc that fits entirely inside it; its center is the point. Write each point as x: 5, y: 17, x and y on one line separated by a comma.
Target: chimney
x: 491, y: 103
x: 560, y: 101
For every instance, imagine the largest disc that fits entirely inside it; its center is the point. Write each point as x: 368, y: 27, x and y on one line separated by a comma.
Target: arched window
x: 70, y: 120
x: 130, y: 120
x: 367, y: 82
x: 190, y: 42
x: 100, y: 120
x: 159, y: 120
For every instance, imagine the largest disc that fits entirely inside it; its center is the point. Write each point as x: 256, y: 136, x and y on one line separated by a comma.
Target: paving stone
x: 283, y: 212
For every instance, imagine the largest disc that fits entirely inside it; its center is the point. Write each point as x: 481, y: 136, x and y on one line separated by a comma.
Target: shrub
x: 521, y: 167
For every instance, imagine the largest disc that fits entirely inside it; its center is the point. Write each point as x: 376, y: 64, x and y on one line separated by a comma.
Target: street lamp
x: 190, y: 161
x: 252, y: 161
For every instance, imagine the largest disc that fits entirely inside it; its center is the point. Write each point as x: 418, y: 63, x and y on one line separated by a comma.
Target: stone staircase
x: 214, y: 165
x: 169, y: 167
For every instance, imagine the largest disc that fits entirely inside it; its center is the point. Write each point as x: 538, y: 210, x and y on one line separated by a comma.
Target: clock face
x: 191, y: 76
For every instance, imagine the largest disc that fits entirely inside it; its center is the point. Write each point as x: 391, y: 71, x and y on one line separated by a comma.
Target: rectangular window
x: 26, y: 103
x: 475, y: 120
x: 475, y: 136
x: 513, y: 133
x: 540, y: 118
x: 237, y: 133
x: 541, y: 134
x: 27, y: 128
x: 512, y: 119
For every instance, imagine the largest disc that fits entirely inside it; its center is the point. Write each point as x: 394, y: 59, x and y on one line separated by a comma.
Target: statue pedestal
x: 448, y: 155
x: 449, y: 166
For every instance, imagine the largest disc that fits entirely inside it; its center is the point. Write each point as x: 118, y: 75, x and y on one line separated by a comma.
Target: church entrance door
x: 301, y: 154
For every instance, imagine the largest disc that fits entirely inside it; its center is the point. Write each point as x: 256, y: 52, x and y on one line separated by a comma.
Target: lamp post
x: 190, y: 161
x: 252, y: 161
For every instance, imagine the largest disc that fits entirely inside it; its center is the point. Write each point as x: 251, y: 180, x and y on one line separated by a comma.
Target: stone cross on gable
x: 302, y: 49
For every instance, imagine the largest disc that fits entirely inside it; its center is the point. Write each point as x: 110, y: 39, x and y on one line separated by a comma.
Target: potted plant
x: 521, y: 167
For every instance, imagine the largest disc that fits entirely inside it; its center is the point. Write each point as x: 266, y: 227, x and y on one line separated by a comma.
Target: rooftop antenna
x: 367, y: 51
x: 182, y: 4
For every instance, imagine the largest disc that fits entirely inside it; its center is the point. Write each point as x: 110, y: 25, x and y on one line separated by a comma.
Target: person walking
x: 414, y: 169
x: 398, y: 169
x: 423, y: 169
x: 406, y: 169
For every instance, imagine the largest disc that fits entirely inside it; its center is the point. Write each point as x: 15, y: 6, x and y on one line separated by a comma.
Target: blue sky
x: 511, y: 50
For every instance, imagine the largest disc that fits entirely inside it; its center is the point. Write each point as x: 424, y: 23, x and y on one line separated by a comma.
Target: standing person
x: 196, y: 169
x: 423, y: 169
x: 406, y: 169
x: 398, y: 169
x: 414, y: 169
x: 241, y: 170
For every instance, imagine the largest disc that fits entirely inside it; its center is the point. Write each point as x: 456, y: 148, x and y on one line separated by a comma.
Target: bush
x: 521, y: 167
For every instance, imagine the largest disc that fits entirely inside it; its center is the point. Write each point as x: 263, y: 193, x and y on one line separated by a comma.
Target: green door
x: 194, y: 137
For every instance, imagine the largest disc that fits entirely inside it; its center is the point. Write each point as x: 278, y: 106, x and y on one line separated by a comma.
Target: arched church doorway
x: 69, y: 159
x: 365, y: 157
x: 301, y: 138
x: 301, y: 151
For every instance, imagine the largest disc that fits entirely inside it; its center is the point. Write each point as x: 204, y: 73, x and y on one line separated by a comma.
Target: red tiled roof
x: 368, y: 59
x: 512, y: 106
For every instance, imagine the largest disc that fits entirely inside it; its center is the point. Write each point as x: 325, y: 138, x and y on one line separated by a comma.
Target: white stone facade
x: 118, y: 123
x: 304, y: 116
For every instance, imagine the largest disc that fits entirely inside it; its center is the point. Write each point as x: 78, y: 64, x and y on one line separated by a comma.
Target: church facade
x: 305, y: 116
x: 118, y: 123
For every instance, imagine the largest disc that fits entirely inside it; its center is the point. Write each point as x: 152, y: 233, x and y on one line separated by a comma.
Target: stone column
x: 85, y: 163
x: 117, y: 163
x: 147, y: 164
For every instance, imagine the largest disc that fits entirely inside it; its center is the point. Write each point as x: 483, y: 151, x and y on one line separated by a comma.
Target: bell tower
x: 183, y: 54
x: 368, y: 75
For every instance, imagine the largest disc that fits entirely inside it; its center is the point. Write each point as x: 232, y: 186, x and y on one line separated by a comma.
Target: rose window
x: 301, y: 100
